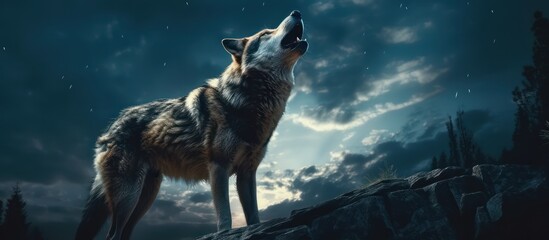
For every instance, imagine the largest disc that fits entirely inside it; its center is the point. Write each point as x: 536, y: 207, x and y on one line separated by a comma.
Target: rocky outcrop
x: 485, y: 202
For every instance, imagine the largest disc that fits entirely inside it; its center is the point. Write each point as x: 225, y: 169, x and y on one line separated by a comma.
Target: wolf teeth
x: 298, y: 39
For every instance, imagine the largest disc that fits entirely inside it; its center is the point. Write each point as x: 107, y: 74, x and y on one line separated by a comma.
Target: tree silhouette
x: 434, y: 163
x: 539, y: 73
x: 532, y: 100
x: 464, y: 152
x: 15, y: 221
x: 443, y: 160
x: 523, y: 136
x: 1, y: 215
x: 440, y: 162
x: 454, y: 159
x: 468, y: 149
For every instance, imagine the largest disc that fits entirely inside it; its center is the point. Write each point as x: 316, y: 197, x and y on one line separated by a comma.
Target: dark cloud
x: 184, y: 210
x: 430, y: 131
x: 201, y: 197
x: 309, y: 171
x: 184, y: 218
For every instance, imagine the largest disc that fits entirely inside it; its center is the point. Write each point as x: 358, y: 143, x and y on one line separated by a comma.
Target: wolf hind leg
x: 148, y: 195
x: 125, y: 182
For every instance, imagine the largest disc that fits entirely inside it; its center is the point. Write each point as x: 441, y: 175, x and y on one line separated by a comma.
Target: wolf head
x: 270, y: 50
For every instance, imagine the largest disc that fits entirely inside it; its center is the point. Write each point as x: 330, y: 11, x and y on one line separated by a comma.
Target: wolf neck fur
x: 265, y: 89
x: 253, y: 101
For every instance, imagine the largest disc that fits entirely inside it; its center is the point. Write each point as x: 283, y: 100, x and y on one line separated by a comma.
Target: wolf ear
x: 234, y: 46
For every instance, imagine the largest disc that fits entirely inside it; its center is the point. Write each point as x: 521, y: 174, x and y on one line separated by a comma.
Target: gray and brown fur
x: 218, y: 130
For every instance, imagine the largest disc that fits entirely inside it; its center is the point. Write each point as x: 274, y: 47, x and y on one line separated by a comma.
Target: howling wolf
x: 219, y: 129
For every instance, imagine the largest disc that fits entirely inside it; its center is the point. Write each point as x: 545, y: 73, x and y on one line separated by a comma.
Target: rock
x: 468, y: 209
x: 365, y: 219
x: 300, y: 232
x: 470, y: 201
x: 414, y: 217
x: 509, y: 178
x: 494, y: 206
x: 379, y: 188
x: 483, y: 227
x: 516, y: 215
x: 487, y: 202
x: 423, y: 179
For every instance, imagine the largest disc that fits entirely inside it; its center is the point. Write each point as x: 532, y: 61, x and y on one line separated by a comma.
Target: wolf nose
x: 296, y: 14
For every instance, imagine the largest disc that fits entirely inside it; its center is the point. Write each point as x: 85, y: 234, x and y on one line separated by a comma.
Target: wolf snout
x: 296, y: 14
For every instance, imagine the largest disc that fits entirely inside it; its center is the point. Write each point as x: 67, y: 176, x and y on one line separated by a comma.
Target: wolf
x: 219, y: 129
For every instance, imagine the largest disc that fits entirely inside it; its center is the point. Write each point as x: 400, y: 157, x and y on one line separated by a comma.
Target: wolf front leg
x: 219, y: 181
x: 247, y: 192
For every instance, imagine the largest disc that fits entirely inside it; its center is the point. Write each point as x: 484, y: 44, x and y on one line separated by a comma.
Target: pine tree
x: 15, y: 221
x: 541, y: 66
x: 524, y: 137
x: 464, y: 152
x: 1, y: 215
x: 454, y: 159
x: 467, y: 147
x: 443, y: 160
x: 532, y: 100
x: 434, y: 163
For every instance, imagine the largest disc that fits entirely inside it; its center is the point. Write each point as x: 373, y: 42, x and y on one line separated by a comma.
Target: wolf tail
x: 95, y: 213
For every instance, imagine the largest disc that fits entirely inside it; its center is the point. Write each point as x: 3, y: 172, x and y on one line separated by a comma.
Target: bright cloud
x: 362, y: 2
x: 348, y: 137
x: 320, y: 7
x: 303, y: 83
x: 330, y: 123
x: 375, y: 136
x: 405, y: 72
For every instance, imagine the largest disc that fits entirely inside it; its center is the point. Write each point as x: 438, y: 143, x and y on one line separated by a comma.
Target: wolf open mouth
x: 293, y: 37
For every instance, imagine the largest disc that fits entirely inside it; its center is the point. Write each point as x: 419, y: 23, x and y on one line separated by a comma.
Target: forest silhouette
x: 531, y: 135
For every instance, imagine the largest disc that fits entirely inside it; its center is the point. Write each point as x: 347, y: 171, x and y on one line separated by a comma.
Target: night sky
x: 374, y: 90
